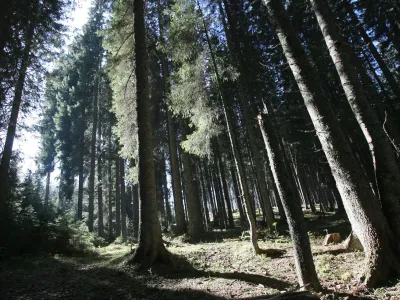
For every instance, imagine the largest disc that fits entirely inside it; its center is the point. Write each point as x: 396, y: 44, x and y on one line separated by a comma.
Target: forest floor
x: 221, y: 267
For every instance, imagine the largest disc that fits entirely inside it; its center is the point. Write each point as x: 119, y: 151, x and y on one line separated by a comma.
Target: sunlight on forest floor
x: 219, y: 269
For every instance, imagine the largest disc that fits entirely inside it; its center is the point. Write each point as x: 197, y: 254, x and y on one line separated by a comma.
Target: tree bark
x: 117, y: 198
x: 15, y: 108
x: 47, y: 191
x: 150, y: 247
x: 241, y: 173
x: 92, y: 171
x: 100, y: 215
x: 123, y: 198
x: 294, y: 215
x: 135, y: 211
x: 258, y: 165
x: 362, y: 208
x: 195, y: 227
x: 228, y: 204
x: 385, y: 165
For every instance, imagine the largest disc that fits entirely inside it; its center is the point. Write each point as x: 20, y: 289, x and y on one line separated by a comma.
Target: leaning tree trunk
x: 15, y: 108
x: 150, y: 247
x: 294, y: 215
x: 360, y: 203
x: 386, y: 170
x: 248, y: 116
x: 241, y: 173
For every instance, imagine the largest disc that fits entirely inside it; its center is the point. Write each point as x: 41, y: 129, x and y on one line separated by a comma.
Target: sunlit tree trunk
x: 301, y: 243
x: 150, y: 247
x: 385, y: 165
x: 361, y: 205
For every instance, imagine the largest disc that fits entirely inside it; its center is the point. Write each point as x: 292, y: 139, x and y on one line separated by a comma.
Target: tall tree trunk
x: 248, y: 119
x: 219, y: 198
x: 386, y: 170
x: 166, y: 192
x: 92, y: 170
x: 173, y: 150
x: 47, y: 191
x: 241, y: 173
x: 204, y: 193
x: 135, y: 211
x: 123, y: 198
x: 220, y: 165
x: 301, y: 243
x: 195, y: 227
x: 100, y: 223
x: 150, y: 247
x: 15, y: 108
x: 238, y: 197
x: 208, y: 184
x: 110, y: 183
x: 117, y: 198
x: 361, y: 205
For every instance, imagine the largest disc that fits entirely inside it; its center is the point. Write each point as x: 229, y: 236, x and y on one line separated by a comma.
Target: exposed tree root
x: 286, y: 296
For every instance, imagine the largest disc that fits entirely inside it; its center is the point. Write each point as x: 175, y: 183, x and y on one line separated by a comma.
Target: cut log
x: 332, y: 238
x: 352, y: 243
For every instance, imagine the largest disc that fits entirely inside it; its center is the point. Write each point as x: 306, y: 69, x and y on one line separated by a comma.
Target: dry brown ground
x: 221, y: 269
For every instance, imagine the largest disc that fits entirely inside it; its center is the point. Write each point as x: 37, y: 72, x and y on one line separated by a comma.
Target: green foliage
x: 120, y: 45
x: 190, y: 92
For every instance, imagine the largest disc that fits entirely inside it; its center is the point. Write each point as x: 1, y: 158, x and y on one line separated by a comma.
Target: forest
x: 200, y: 149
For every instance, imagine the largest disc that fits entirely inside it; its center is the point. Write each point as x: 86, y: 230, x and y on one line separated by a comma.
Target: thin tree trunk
x: 100, y: 223
x: 204, y: 193
x: 110, y: 185
x: 15, y: 108
x: 135, y: 211
x: 168, y: 213
x: 385, y: 165
x: 123, y: 198
x: 220, y: 165
x: 238, y: 197
x: 255, y: 153
x: 302, y: 249
x: 47, y: 191
x: 92, y: 170
x: 150, y: 247
x: 235, y: 149
x: 362, y: 208
x: 117, y: 198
